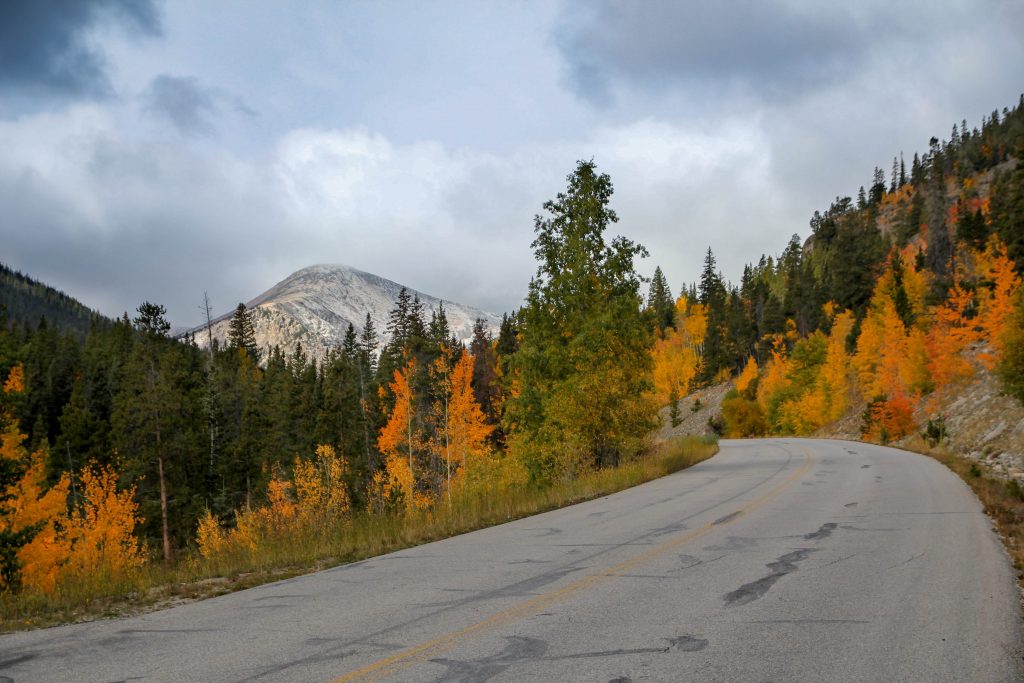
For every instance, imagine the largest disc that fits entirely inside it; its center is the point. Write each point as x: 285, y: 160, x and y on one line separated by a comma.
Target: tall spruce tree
x: 582, y: 372
x: 242, y: 332
x: 660, y: 301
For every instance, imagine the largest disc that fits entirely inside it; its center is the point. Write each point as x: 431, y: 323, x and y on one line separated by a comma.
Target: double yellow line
x: 431, y: 648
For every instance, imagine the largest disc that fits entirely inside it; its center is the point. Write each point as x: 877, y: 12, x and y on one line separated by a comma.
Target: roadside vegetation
x: 282, y: 539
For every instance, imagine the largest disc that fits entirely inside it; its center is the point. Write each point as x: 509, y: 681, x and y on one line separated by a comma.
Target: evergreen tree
x: 940, y: 250
x: 439, y: 331
x: 486, y: 386
x: 582, y: 372
x: 151, y: 320
x: 242, y: 332
x: 660, y: 301
x: 877, y: 187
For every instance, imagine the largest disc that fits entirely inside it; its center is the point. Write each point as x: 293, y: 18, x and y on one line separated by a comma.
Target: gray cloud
x: 188, y: 105
x: 44, y: 47
x: 771, y: 49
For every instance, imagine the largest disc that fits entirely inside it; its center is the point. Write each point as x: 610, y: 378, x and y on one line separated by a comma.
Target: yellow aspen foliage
x: 747, y: 375
x: 254, y: 526
x: 321, y: 491
x: 804, y: 414
x: 694, y: 323
x: 881, y: 348
x: 395, y: 482
x: 27, y: 505
x: 915, y: 371
x: 210, y: 535
x: 677, y: 351
x: 835, y: 373
x: 102, y: 531
x: 916, y: 284
x: 675, y: 366
x: 775, y: 377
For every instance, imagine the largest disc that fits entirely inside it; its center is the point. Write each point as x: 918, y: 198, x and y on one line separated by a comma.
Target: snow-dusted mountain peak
x: 314, y: 306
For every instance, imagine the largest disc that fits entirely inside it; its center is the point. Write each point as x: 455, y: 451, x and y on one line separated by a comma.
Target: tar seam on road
x: 432, y: 648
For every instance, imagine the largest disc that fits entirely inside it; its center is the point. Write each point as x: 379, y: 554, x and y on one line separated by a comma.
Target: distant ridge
x: 25, y: 300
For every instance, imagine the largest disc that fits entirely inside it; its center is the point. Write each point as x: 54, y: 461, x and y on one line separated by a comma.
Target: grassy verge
x: 1003, y: 501
x: 359, y: 537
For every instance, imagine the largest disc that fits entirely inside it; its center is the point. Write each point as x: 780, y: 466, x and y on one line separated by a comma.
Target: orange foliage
x: 95, y: 539
x: 747, y: 375
x: 41, y: 558
x: 398, y: 433
x: 890, y: 419
x: 996, y: 305
x: 467, y: 426
x: 15, y: 383
x: 951, y: 333
x: 102, y: 532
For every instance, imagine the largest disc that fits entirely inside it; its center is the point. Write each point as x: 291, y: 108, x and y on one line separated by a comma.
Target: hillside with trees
x: 25, y: 301
x: 126, y: 448
x: 895, y: 301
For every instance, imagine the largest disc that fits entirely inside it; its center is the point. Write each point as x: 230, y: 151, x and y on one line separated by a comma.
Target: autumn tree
x: 398, y: 438
x: 461, y: 433
x: 27, y: 510
x: 997, y: 299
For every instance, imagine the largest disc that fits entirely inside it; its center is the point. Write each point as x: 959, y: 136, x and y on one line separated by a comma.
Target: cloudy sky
x: 151, y: 151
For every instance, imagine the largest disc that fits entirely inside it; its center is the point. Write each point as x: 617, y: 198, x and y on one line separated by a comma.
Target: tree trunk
x: 163, y: 507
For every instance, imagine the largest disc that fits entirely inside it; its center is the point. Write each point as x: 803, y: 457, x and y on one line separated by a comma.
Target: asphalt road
x: 774, y: 561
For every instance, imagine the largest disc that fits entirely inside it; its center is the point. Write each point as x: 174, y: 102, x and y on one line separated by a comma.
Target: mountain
x: 315, y: 305
x: 24, y: 300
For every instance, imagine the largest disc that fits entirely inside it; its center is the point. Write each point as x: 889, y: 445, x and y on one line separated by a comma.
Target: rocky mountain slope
x: 315, y: 305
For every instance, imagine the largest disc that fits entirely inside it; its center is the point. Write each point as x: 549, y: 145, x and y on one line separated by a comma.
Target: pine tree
x: 151, y: 320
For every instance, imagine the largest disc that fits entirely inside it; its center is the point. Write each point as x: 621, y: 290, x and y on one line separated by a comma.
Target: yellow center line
x: 443, y: 643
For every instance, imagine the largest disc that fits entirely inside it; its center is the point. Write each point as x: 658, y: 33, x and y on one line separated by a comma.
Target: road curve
x: 784, y: 560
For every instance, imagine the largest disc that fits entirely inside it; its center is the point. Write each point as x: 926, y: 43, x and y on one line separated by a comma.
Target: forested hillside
x: 26, y: 301
x: 891, y: 301
x: 128, y: 447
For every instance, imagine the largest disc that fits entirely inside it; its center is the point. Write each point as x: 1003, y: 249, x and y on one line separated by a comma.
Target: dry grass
x: 359, y: 537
